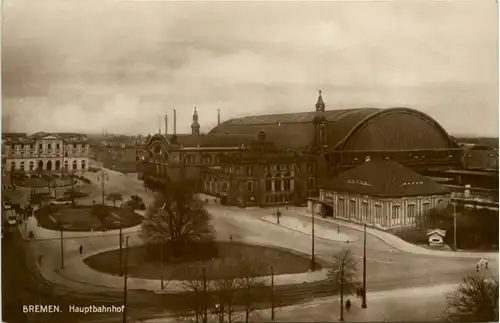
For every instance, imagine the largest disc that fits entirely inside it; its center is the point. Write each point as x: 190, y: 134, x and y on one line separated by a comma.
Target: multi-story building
x: 282, y: 158
x: 52, y: 152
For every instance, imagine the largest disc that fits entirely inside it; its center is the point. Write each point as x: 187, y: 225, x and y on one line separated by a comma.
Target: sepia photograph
x: 249, y: 161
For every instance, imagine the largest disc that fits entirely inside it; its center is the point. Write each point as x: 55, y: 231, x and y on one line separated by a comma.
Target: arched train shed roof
x: 351, y: 129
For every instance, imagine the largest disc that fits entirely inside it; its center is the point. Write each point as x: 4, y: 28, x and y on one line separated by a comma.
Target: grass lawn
x: 144, y: 262
x: 80, y: 218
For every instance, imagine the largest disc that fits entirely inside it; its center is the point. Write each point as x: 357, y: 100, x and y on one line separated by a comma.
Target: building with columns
x: 381, y: 194
x: 52, y: 152
x: 277, y: 159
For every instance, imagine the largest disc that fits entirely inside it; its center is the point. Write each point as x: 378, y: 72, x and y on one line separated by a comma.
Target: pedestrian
x: 348, y: 305
x: 230, y: 238
x: 80, y: 249
x: 338, y: 228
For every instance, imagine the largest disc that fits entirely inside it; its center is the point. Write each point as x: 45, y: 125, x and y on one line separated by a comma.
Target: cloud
x: 121, y: 65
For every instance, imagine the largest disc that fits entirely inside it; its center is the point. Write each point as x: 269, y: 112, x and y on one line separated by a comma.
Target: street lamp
x: 124, y: 320
x: 363, y: 305
x: 313, y: 261
x: 104, y: 177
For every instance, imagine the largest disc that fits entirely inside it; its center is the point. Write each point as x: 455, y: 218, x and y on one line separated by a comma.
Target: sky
x: 85, y: 65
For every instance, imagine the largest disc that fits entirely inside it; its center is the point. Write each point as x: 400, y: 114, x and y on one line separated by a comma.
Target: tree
x: 101, y: 212
x: 230, y: 283
x: 475, y: 300
x: 343, y: 275
x: 114, y: 197
x: 178, y: 218
x: 250, y: 283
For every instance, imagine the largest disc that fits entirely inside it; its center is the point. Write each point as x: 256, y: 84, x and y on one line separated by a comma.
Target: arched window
x: 395, y: 215
x: 32, y: 166
x: 287, y: 182
x: 277, y: 184
x: 22, y: 166
x: 269, y: 185
x: 75, y: 164
x: 341, y: 207
x: 378, y: 213
x: 411, y: 214
x: 206, y: 160
x: 13, y: 166
x: 66, y: 165
x: 250, y: 187
x: 83, y: 164
x: 352, y: 210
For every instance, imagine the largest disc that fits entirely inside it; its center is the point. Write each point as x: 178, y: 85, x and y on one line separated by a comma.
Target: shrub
x: 413, y: 235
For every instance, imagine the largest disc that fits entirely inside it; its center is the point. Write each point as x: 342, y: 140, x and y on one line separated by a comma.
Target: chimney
x: 175, y: 122
x: 166, y: 125
x: 218, y: 116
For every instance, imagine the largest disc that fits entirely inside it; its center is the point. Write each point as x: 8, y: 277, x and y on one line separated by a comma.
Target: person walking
x: 80, y: 250
x: 348, y: 305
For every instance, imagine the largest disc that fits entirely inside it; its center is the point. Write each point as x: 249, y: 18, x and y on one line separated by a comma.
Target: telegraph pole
x: 125, y: 283
x: 121, y: 249
x: 272, y: 293
x: 363, y: 305
x: 161, y: 266
x: 205, y: 296
x: 62, y: 248
x: 455, y: 225
x: 313, y: 262
x: 103, y: 178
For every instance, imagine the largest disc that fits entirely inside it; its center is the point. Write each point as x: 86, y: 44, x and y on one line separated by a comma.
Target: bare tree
x: 475, y: 300
x: 250, y: 282
x: 176, y: 217
x: 343, y: 275
x: 198, y: 298
x: 234, y: 289
x: 114, y: 197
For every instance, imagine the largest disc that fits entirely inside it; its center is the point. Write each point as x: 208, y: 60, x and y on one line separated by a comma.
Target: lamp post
x: 125, y: 283
x: 313, y: 262
x: 272, y: 293
x: 161, y: 266
x: 103, y: 178
x: 455, y: 225
x: 363, y: 305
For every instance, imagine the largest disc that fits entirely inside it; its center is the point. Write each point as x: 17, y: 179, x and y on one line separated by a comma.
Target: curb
x: 424, y: 252
x: 307, y: 233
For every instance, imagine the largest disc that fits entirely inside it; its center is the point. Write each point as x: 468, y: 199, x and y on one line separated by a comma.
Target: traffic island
x: 145, y: 261
x: 86, y: 218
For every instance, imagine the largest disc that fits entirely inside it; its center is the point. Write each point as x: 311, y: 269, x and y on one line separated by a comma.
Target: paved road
x: 21, y: 285
x: 385, y: 264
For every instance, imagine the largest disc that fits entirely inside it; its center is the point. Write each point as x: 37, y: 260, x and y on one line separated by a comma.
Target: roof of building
x: 212, y: 140
x: 385, y: 178
x: 277, y: 126
x: 440, y: 232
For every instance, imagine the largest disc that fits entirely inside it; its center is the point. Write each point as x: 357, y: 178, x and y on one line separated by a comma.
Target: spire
x: 218, y: 116
x: 195, y: 126
x: 320, y: 105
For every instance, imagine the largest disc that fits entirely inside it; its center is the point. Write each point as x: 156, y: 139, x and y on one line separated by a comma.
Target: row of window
x: 205, y: 160
x: 49, y: 165
x: 43, y: 154
x: 49, y: 146
x: 363, y: 214
x: 282, y: 198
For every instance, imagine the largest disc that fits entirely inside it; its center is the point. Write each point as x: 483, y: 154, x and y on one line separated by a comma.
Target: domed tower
x: 195, y: 126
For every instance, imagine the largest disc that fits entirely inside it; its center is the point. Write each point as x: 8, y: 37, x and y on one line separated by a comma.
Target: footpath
x: 421, y: 304
x: 46, y: 246
x: 395, y: 241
